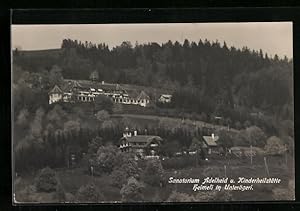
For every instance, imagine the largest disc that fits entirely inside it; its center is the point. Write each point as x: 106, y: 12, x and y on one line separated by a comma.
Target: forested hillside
x: 205, y: 77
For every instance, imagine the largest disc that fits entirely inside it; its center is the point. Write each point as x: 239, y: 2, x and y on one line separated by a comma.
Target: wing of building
x: 55, y: 95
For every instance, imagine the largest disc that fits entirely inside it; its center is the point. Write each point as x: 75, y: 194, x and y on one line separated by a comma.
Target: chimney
x: 213, y: 136
x: 135, y: 132
x: 102, y: 82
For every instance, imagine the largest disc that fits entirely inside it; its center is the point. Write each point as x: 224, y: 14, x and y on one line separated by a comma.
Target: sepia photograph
x: 152, y: 112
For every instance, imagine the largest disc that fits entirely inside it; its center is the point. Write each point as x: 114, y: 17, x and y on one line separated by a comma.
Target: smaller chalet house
x: 165, y: 98
x: 210, y: 144
x: 73, y: 91
x: 145, y: 146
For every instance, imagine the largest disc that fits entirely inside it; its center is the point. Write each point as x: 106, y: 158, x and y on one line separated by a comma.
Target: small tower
x: 126, y: 132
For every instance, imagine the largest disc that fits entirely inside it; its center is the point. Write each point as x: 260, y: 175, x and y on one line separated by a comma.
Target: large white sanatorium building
x: 74, y: 91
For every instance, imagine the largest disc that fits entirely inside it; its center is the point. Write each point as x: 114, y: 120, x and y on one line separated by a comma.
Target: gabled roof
x: 210, y: 141
x: 132, y: 93
x: 142, y: 96
x: 86, y: 85
x: 69, y: 85
x: 142, y: 139
x: 56, y: 90
x: 166, y: 96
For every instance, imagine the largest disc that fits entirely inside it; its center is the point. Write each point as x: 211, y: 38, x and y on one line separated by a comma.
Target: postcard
x: 152, y: 112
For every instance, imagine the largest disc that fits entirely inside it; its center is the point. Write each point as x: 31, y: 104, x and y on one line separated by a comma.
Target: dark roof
x: 142, y: 96
x: 142, y: 139
x: 210, y: 141
x: 70, y: 85
x: 55, y: 89
x: 132, y: 93
x: 86, y: 85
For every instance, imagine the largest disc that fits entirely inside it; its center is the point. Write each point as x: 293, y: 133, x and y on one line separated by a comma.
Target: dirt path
x: 173, y: 120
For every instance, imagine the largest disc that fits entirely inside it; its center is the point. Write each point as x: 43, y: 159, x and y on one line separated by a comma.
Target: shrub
x: 274, y: 146
x: 212, y: 172
x: 60, y: 193
x: 179, y: 162
x: 119, y: 178
x: 153, y: 174
x: 103, y: 103
x: 89, y: 193
x: 180, y: 197
x: 102, y: 115
x: 127, y: 167
x: 46, y: 180
x: 132, y: 191
x: 69, y: 197
x: 256, y: 136
x: 106, y: 158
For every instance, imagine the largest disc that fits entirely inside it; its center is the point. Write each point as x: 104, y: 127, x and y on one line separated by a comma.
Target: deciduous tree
x: 132, y: 191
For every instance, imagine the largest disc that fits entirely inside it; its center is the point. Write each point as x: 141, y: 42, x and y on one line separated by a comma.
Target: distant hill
x: 37, y: 60
x: 45, y: 52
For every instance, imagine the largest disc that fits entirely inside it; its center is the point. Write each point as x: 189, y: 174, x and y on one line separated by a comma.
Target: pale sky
x: 271, y: 37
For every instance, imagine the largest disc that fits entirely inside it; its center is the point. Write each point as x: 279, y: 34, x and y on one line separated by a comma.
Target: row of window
x: 119, y: 100
x: 129, y: 101
x: 133, y: 144
x: 86, y: 99
x: 89, y: 99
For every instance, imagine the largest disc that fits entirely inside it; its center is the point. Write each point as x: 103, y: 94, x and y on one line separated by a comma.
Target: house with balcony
x: 144, y: 146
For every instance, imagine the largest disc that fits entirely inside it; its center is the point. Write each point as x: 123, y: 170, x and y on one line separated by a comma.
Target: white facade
x: 164, y: 98
x: 55, y: 97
